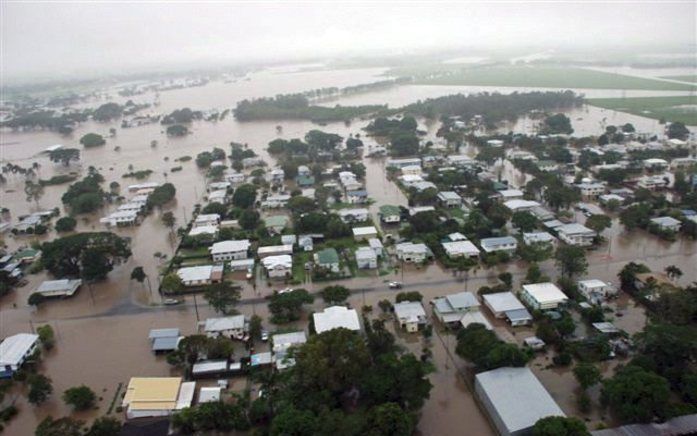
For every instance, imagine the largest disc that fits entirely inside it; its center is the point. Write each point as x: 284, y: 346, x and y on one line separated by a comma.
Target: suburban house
x: 596, y: 290
x: 164, y: 340
x: 508, y: 244
x: 521, y: 205
x: 59, y: 288
x: 200, y: 275
x: 14, y: 351
x: 231, y: 326
x: 218, y: 196
x: 366, y: 258
x: 449, y: 199
x: 511, y: 194
x: 354, y: 215
x: 410, y: 315
x: 506, y: 305
x: 364, y: 233
x: 282, y: 343
x: 204, y: 230
x: 358, y: 196
x: 334, y: 317
x: 410, y: 252
x: 591, y: 190
x: 276, y: 201
x: 279, y: 266
x: 666, y: 223
x: 205, y: 220
x: 418, y: 209
x: 543, y: 296
x: 390, y: 214
x: 328, y: 259
x: 451, y: 308
x: 148, y: 397
x: 576, y: 234
x: 411, y: 169
x: 461, y: 161
x: 274, y: 250
x: 460, y: 248
x: 538, y: 238
x: 655, y: 164
x: 230, y: 250
x: 276, y: 223
x: 653, y: 183
x: 121, y: 218
x: 401, y: 163
x: 376, y: 245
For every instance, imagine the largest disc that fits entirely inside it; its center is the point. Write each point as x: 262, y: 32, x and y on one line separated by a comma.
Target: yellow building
x: 157, y: 396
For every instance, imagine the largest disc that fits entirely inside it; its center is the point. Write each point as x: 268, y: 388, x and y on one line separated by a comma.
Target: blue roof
x: 360, y: 193
x: 688, y: 212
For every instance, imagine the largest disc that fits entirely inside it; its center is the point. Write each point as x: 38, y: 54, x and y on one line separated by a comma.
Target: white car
x: 395, y: 285
x: 286, y: 290
x: 264, y: 335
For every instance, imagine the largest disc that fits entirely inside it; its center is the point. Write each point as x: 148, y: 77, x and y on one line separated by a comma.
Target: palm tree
x: 673, y: 272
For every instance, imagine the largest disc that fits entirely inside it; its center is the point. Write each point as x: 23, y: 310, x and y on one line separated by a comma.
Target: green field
x: 692, y: 78
x: 549, y: 77
x: 668, y: 108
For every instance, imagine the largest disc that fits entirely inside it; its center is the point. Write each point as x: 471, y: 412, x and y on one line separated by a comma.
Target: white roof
x: 462, y: 300
x: 411, y: 311
x: 202, y: 218
x: 209, y: 394
x: 375, y: 243
x: 410, y: 247
x: 592, y: 283
x: 195, y: 273
x: 520, y: 204
x: 225, y: 323
x: 362, y: 231
x: 460, y: 247
x: 508, y: 193
x: 230, y: 246
x: 54, y: 147
x: 59, y: 286
x: 449, y: 195
x: 517, y: 397
x: 282, y: 260
x: 274, y: 249
x: 503, y: 301
x: 545, y: 292
x: 205, y: 366
x: 335, y: 317
x: 200, y: 230
x: 15, y: 347
x: 475, y: 316
x: 284, y: 340
x: 365, y: 253
x: 665, y: 221
x: 574, y: 229
x: 538, y: 237
x: 186, y: 394
x: 357, y: 211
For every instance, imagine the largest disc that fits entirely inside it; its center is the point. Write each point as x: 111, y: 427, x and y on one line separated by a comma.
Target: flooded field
x: 102, y: 331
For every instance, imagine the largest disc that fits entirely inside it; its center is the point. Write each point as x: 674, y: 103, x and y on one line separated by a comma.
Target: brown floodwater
x: 102, y: 331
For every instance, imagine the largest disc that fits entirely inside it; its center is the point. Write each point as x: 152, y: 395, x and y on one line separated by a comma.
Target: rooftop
x: 15, y: 347
x: 545, y: 292
x: 152, y: 393
x: 230, y: 246
x: 335, y: 317
x: 503, y: 301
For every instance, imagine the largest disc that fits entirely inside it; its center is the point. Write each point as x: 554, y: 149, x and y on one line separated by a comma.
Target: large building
x: 576, y: 234
x: 14, y: 351
x: 229, y: 250
x: 335, y: 317
x: 543, y: 296
x: 514, y: 399
x: 157, y: 396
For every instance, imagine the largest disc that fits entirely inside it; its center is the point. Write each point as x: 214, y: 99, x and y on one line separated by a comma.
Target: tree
x: 86, y: 195
x: 33, y: 191
x: 673, y: 272
x: 35, y: 299
x: 177, y: 130
x: 66, y: 224
x: 558, y: 123
x: 222, y: 296
x: 104, y: 426
x: 628, y: 274
x: 64, y: 155
x: 162, y: 195
x: 249, y: 219
x: 598, y: 223
x: 636, y: 395
x: 636, y: 215
x: 92, y: 140
x: 65, y: 426
x: 46, y: 336
x: 169, y: 220
x: 89, y: 255
x: 560, y: 426
x: 301, y: 204
x: 293, y: 422
x: 390, y: 419
x: 39, y: 388
x: 172, y: 284
x: 409, y: 296
x: 335, y: 294
x: 138, y: 274
x: 586, y: 374
x: 255, y: 327
x: 524, y: 221
x: 80, y: 397
x: 244, y: 196
x: 678, y: 130
x: 287, y: 306
x: 571, y: 260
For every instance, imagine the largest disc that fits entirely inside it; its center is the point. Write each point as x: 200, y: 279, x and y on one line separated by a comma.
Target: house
x: 654, y: 182
x: 219, y: 196
x: 409, y: 180
x: 461, y: 161
x: 366, y: 258
x: 506, y: 305
x: 418, y: 209
x: 229, y: 250
x: 400, y: 163
x: 231, y: 326
x: 451, y: 308
x: 412, y: 169
x: 27, y: 256
x: 424, y: 185
x: 449, y: 199
x: 410, y: 315
x: 521, y: 205
x: 59, y: 288
x: 234, y: 177
x: 590, y: 190
x: 538, y: 238
x: 605, y: 199
x: 328, y: 259
x: 277, y: 175
x: 376, y: 245
x: 456, y: 249
x: 274, y: 250
x: 390, y: 214
x: 543, y: 296
x: 511, y: 194
x: 596, y: 290
x: 336, y: 317
x: 279, y: 266
x: 206, y: 220
x: 354, y: 215
x: 410, y: 252
x: 666, y: 223
x: 204, y: 230
x: 15, y: 350
x: 363, y: 233
x: 218, y: 186
x: 164, y: 340
x: 288, y: 239
x: 121, y: 218
x: 503, y: 243
x: 357, y: 196
x: 145, y: 185
x: 276, y: 223
x: 655, y: 164
x: 514, y: 399
x: 306, y: 242
x: 304, y: 181
x: 547, y: 165
x: 157, y: 396
x: 576, y: 234
x: 209, y: 394
x: 200, y: 275
x: 282, y: 343
x: 242, y: 265
x: 496, y: 143
x: 276, y: 201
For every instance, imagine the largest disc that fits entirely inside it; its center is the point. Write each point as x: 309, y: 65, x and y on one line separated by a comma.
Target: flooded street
x: 101, y: 334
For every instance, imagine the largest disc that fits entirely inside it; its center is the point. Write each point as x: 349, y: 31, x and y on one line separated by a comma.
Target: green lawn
x: 668, y: 108
x: 550, y: 77
x: 687, y: 78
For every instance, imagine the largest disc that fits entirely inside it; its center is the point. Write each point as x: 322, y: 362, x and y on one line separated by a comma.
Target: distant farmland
x: 692, y: 78
x: 681, y: 108
x: 546, y: 77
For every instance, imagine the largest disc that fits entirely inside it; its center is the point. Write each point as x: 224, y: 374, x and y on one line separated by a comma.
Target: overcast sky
x: 72, y: 38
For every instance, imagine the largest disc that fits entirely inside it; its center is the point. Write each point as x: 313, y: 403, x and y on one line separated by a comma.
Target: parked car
x: 395, y: 285
x: 171, y: 301
x: 264, y: 335
x: 286, y: 290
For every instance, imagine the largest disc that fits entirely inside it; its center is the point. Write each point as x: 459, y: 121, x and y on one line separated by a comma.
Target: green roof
x: 389, y: 209
x: 305, y: 180
x: 327, y: 256
x: 27, y: 252
x: 276, y: 221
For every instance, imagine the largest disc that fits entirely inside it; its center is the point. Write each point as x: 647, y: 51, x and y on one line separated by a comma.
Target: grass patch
x: 668, y: 108
x: 549, y: 77
x: 687, y: 78
x: 298, y: 270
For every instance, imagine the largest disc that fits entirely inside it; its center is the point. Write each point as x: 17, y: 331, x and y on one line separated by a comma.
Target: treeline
x: 334, y: 91
x: 297, y: 106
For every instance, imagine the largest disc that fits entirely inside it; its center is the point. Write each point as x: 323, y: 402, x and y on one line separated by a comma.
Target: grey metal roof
x: 164, y: 333
x: 462, y: 300
x: 165, y: 343
x: 518, y: 315
x: 681, y: 425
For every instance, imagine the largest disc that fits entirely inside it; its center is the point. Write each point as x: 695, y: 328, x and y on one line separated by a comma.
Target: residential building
x: 359, y: 196
x: 59, y: 288
x: 461, y: 161
x: 590, y: 190
x: 157, y: 396
x: 506, y: 305
x: 418, y: 209
x: 230, y: 250
x: 280, y: 266
x: 274, y: 250
x: 655, y: 164
x: 543, y: 296
x: 460, y: 248
x: 200, y: 275
x: 366, y: 258
x: 596, y: 290
x: 412, y: 169
x: 335, y: 317
x: 514, y: 399
x: 496, y: 143
x: 666, y: 223
x: 364, y: 233
x: 410, y: 252
x: 204, y: 230
x: 511, y: 194
x: 354, y: 215
x: 121, y: 218
x: 451, y: 308
x: 327, y: 259
x: 276, y: 201
x: 376, y: 245
x: 538, y: 238
x: 242, y: 265
x: 206, y: 220
x: 410, y: 315
x: 282, y: 343
x: 449, y: 199
x: 654, y: 182
x: 503, y: 243
x: 576, y: 234
x: 400, y: 163
x: 234, y: 326
x: 164, y: 340
x: 219, y: 196
x: 390, y: 214
x: 276, y: 223
x: 14, y: 351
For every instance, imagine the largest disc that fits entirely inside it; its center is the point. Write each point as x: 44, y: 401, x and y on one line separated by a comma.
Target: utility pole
x: 196, y: 309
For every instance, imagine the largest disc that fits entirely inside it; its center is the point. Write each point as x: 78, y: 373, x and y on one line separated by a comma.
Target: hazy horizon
x: 77, y: 39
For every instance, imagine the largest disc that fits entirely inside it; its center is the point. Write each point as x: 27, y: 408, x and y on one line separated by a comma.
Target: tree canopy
x: 88, y: 255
